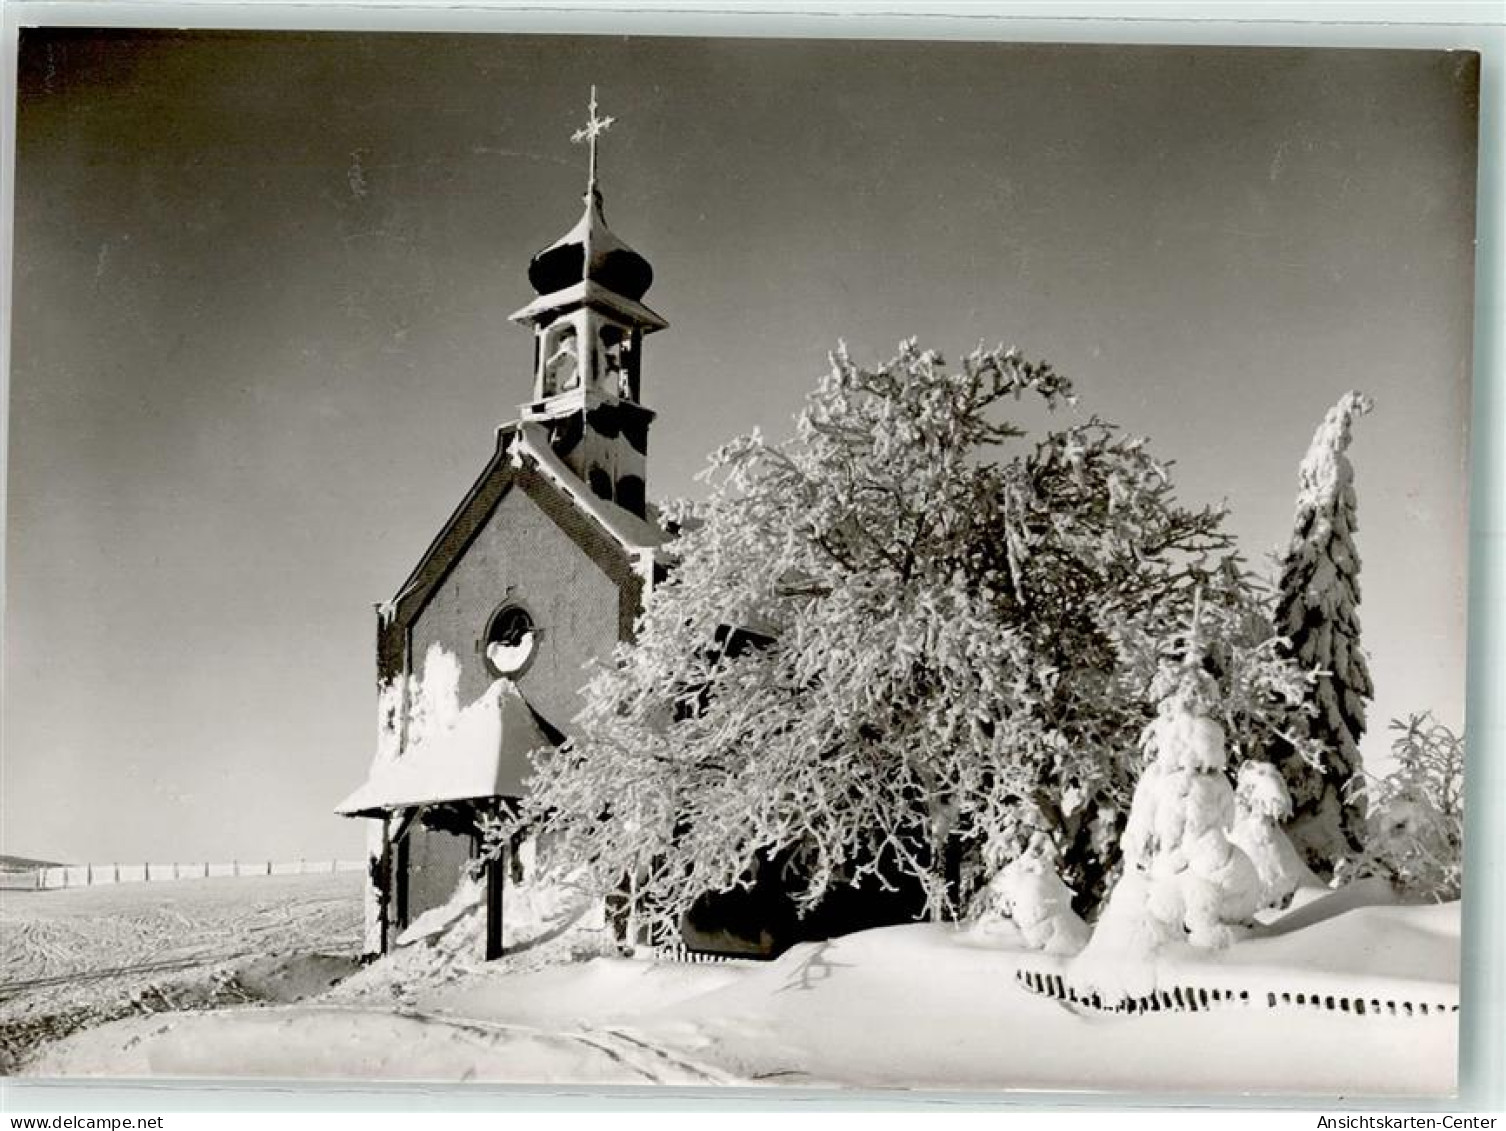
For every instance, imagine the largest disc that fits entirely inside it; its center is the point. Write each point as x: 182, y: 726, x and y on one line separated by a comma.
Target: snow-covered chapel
x: 541, y: 568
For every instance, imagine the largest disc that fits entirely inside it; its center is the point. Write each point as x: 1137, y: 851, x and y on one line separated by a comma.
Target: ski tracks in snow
x: 660, y: 1058
x: 624, y: 1047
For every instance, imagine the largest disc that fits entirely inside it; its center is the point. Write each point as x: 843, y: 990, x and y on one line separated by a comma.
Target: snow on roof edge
x: 636, y: 535
x: 477, y: 756
x: 388, y: 609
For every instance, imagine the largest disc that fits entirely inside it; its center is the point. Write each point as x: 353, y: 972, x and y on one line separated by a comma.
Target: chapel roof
x: 622, y: 544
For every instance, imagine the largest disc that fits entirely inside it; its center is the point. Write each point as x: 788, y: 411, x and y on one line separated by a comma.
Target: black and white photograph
x: 779, y: 563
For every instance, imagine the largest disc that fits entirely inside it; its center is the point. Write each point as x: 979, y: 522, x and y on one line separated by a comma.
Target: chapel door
x: 435, y: 860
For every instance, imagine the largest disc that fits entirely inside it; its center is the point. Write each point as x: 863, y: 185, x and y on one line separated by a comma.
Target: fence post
x: 88, y: 875
x: 117, y: 871
x: 206, y: 869
x: 175, y: 869
x: 235, y: 868
x: 146, y: 873
x: 269, y: 867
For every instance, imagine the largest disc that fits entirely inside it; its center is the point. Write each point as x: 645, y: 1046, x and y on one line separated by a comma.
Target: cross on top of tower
x: 588, y: 133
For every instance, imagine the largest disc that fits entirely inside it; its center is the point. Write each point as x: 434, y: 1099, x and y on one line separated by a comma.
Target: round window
x: 509, y: 640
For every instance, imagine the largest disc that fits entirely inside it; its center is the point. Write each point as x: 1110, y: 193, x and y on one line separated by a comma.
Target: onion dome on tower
x: 589, y: 323
x: 590, y: 250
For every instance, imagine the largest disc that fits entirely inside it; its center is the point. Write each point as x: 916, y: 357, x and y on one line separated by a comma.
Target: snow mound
x: 926, y: 1006
x: 1417, y: 944
x: 1387, y: 954
x: 606, y: 989
x: 1315, y: 901
x: 541, y: 923
x: 464, y: 902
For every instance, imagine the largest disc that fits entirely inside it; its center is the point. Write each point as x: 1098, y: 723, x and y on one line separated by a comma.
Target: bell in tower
x: 589, y: 324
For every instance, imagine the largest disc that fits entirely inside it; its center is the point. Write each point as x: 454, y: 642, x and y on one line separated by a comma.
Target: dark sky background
x: 260, y: 338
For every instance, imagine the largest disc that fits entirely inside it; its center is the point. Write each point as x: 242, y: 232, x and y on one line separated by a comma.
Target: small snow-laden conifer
x: 1317, y: 614
x: 897, y: 645
x: 1030, y: 893
x: 1417, y: 811
x: 1119, y: 960
x: 1178, y: 831
x: 1261, y: 804
x: 1183, y: 876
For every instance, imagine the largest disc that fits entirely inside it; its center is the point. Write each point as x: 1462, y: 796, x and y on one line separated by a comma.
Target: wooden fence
x: 92, y: 875
x: 1403, y: 999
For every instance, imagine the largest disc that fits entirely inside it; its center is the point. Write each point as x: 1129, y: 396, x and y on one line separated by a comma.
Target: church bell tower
x: 588, y: 325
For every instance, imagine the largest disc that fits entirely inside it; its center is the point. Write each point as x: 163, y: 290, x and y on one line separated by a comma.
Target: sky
x: 260, y: 340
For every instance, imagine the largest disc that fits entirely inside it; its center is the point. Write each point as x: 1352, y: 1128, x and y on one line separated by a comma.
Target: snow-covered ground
x: 73, y: 958
x: 921, y: 1005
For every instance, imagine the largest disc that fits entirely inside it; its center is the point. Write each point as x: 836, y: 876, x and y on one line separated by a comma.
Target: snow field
x: 74, y: 958
x: 923, y: 1005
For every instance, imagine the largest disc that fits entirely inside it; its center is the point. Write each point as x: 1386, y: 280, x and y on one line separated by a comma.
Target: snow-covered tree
x: 1182, y: 813
x: 1317, y: 613
x: 1183, y: 877
x: 900, y: 644
x: 1261, y: 804
x: 1417, y: 811
x: 1029, y: 892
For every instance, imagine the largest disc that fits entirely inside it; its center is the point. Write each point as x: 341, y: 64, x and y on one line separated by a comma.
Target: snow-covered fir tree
x: 1184, y: 877
x: 1028, y: 892
x: 1317, y: 613
x: 1181, y: 816
x: 1261, y: 805
x: 901, y: 644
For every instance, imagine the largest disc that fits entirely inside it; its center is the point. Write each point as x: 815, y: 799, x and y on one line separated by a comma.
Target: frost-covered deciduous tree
x: 1317, y: 613
x: 901, y: 643
x: 1417, y: 811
